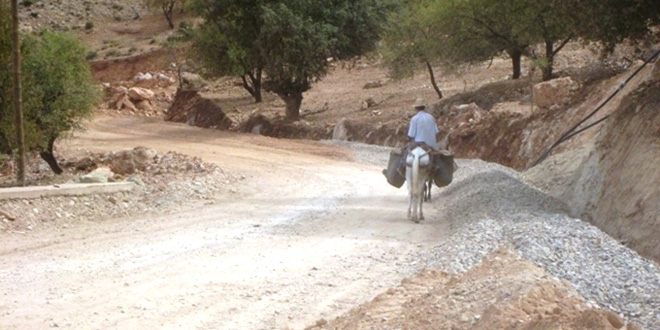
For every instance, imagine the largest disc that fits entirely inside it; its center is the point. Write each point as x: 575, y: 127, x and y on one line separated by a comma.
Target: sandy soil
x: 308, y: 235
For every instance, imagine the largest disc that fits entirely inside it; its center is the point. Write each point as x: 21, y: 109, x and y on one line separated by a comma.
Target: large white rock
x: 99, y: 175
x: 554, y: 92
x: 140, y: 94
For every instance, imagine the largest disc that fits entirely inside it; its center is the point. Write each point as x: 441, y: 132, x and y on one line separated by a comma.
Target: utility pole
x: 18, y: 110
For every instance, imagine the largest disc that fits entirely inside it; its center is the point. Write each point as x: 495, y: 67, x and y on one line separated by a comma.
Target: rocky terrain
x: 163, y: 183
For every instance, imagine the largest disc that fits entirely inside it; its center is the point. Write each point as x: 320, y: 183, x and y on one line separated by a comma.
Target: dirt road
x: 308, y: 234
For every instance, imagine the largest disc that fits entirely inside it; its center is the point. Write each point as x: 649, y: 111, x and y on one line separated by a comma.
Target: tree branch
x: 563, y: 43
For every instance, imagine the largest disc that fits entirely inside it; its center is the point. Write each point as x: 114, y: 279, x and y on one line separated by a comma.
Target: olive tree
x: 289, y: 42
x: 517, y: 26
x: 58, y: 92
x: 419, y: 36
x: 229, y: 41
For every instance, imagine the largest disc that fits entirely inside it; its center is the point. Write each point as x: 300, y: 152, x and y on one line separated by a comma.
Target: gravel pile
x: 490, y: 206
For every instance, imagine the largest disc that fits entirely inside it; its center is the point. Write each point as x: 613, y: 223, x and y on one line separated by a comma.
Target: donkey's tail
x: 415, y: 174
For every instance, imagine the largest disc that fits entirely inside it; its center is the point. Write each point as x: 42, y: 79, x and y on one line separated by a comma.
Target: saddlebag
x: 393, y: 174
x: 443, y: 168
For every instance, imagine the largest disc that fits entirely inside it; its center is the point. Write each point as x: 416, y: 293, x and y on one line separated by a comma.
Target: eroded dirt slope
x: 503, y: 292
x: 610, y: 177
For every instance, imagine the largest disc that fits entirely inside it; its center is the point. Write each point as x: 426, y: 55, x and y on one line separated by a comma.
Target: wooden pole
x: 18, y: 110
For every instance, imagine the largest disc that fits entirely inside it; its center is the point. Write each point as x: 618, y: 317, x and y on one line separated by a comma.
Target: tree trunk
x: 49, y: 156
x: 549, y: 58
x: 258, y: 98
x: 516, y: 56
x: 168, y: 9
x: 432, y: 76
x: 293, y: 102
x: 255, y: 88
x: 18, y: 110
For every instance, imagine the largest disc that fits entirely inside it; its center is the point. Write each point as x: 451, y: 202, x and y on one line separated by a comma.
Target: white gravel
x: 490, y: 206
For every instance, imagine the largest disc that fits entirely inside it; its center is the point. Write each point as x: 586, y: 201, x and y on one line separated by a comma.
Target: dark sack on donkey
x: 394, y: 177
x: 443, y: 168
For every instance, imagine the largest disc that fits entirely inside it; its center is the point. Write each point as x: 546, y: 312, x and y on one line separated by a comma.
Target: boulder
x: 99, y: 175
x: 137, y: 94
x: 555, y: 92
x: 132, y: 161
x: 192, y: 81
x: 340, y: 132
x: 194, y: 109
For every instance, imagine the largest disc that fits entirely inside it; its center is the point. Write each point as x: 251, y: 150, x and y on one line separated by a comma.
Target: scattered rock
x: 373, y: 84
x: 135, y: 179
x: 143, y: 76
x: 469, y: 113
x: 369, y: 102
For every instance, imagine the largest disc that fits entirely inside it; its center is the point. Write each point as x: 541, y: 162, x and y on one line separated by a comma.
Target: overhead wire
x: 572, y: 131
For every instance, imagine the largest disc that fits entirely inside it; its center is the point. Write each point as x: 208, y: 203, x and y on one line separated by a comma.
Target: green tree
x: 167, y: 6
x: 228, y: 42
x: 301, y: 36
x: 515, y: 26
x: 612, y: 21
x: 407, y: 44
x: 487, y: 28
x: 58, y: 92
x: 291, y: 40
x: 419, y: 37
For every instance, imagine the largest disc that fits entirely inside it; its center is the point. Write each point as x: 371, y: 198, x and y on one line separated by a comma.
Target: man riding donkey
x: 422, y: 154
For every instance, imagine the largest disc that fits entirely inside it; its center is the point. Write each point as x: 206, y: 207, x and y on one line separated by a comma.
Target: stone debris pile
x: 146, y: 94
x: 163, y: 181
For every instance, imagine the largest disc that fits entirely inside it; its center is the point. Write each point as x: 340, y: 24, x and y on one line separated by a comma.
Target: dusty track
x: 309, y: 234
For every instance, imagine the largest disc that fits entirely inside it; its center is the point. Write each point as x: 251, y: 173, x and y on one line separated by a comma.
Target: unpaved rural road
x: 308, y: 234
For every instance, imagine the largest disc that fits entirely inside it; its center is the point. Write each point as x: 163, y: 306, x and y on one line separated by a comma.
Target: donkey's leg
x: 421, y: 213
x: 429, y: 183
x: 416, y: 200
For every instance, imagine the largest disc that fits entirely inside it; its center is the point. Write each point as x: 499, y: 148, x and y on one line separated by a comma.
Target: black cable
x: 570, y: 133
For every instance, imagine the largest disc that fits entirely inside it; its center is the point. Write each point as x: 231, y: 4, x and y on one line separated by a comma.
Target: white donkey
x: 417, y: 165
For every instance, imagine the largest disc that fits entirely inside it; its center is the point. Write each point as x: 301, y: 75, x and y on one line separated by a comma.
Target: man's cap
x: 419, y: 103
